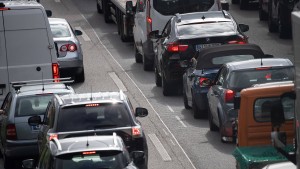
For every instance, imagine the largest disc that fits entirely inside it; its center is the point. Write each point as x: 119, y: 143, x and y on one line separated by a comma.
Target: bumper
x: 174, y: 71
x: 20, y: 149
x: 148, y: 50
x: 70, y: 68
x: 200, y: 96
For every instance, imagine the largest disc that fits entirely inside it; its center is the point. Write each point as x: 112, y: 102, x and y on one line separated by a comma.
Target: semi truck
x: 122, y: 13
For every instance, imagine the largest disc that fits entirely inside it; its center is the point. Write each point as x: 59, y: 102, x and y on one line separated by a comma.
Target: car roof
x: 84, y: 98
x: 86, y: 143
x: 21, y: 4
x: 57, y: 20
x: 205, y: 56
x: 199, y: 17
x: 255, y: 63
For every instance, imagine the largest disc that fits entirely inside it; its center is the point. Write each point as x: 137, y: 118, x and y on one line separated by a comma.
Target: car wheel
x: 8, y: 162
x: 263, y: 16
x: 80, y: 77
x: 157, y: 77
x: 106, y: 13
x: 185, y: 100
x: 212, y: 126
x: 147, y: 64
x: 271, y: 23
x: 195, y: 109
x: 165, y: 86
x: 138, y: 56
x: 99, y: 10
x: 283, y: 29
x: 244, y: 4
x: 235, y: 1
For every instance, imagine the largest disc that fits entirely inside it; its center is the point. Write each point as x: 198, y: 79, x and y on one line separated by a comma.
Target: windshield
x: 32, y: 105
x: 98, y: 160
x: 171, y: 7
x: 246, y: 78
x: 97, y: 116
x: 60, y: 30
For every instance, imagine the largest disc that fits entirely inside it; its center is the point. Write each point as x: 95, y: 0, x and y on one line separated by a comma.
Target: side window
x: 221, y: 77
x: 50, y: 114
x: 7, y: 103
x: 167, y: 30
x: 140, y: 5
x: 131, y: 107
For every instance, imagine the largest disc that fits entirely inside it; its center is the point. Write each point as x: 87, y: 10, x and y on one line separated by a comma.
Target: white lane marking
x: 165, y: 132
x: 57, y: 0
x: 141, y: 93
x: 172, y: 142
x: 117, y: 81
x: 159, y: 147
x: 84, y: 35
x: 180, y: 121
x: 170, y: 108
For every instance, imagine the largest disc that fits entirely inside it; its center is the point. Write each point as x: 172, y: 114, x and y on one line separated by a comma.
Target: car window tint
x: 60, y: 30
x: 206, y: 28
x: 221, y: 77
x: 103, y: 115
x: 263, y: 106
x: 32, y: 105
x: 6, y: 105
x: 247, y: 78
x: 230, y: 58
x: 171, y: 7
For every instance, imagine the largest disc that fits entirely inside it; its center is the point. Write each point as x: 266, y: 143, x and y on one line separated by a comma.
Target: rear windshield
x: 206, y: 28
x: 247, y: 78
x: 32, y: 105
x: 263, y: 106
x: 88, y: 160
x: 96, y: 116
x: 60, y: 30
x: 171, y: 7
x: 230, y: 58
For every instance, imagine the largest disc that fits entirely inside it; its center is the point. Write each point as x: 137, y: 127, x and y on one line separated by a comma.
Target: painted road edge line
x: 180, y: 121
x: 170, y: 108
x: 117, y: 81
x: 84, y: 35
x: 159, y: 147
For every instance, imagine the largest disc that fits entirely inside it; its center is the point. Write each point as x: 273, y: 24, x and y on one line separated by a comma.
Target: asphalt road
x: 175, y: 139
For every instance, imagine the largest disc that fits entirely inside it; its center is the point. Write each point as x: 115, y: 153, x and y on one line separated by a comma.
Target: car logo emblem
x: 207, y: 39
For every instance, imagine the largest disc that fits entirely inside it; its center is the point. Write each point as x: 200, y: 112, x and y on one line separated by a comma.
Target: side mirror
x: 129, y: 7
x: 237, y: 102
x: 28, y: 164
x: 154, y: 34
x: 34, y: 120
x: 49, y: 13
x: 244, y: 28
x: 277, y: 114
x: 137, y: 156
x: 141, y: 112
x: 77, y: 32
x: 225, y: 5
x: 2, y: 112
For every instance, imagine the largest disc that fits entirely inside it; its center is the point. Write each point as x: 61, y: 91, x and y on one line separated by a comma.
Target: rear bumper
x: 200, y: 97
x: 20, y: 149
x: 70, y: 68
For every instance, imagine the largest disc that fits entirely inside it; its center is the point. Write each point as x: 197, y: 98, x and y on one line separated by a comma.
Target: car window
x: 171, y: 7
x: 230, y: 58
x: 60, y: 30
x: 32, y: 105
x: 96, y: 116
x: 247, y: 78
x: 263, y: 106
x: 6, y: 105
x: 167, y: 30
x: 221, y: 78
x: 93, y: 160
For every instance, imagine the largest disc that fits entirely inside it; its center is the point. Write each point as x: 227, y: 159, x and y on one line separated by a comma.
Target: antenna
x: 91, y: 99
x: 43, y: 89
x: 261, y: 63
x: 87, y: 141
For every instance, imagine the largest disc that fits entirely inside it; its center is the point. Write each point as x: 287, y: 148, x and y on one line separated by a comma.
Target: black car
x: 92, y: 152
x: 93, y: 114
x: 231, y: 79
x: 198, y: 77
x: 186, y: 34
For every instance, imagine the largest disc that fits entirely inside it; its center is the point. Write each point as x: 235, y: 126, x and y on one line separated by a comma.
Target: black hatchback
x: 186, y: 34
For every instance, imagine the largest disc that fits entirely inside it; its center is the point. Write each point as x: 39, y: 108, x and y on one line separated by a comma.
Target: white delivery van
x: 27, y: 50
x: 154, y: 14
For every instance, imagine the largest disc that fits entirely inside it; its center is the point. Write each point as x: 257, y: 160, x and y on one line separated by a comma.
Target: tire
x: 147, y: 64
x: 244, y: 4
x: 106, y: 13
x: 195, y: 110
x: 124, y: 38
x: 80, y: 77
x: 138, y: 56
x: 283, y: 28
x: 235, y: 1
x: 158, y: 81
x: 185, y: 101
x: 271, y: 24
x: 99, y: 10
x: 212, y: 126
x: 8, y: 163
x: 165, y: 86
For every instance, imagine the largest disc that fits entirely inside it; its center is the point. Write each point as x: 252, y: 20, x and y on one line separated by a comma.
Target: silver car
x: 18, y: 138
x: 68, y: 47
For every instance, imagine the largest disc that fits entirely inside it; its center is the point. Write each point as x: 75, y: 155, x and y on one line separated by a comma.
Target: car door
x: 162, y: 44
x: 190, y: 78
x: 215, y: 94
x: 6, y: 106
x: 139, y: 28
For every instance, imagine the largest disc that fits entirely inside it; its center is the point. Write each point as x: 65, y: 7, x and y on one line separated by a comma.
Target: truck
x: 120, y: 12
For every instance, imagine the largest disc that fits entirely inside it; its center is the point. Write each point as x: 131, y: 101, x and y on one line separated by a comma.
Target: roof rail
x: 57, y: 143
x: 18, y: 84
x: 115, y: 139
x: 121, y: 95
x: 178, y: 17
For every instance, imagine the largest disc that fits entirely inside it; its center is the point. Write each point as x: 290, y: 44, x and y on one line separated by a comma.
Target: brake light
x: 4, y: 9
x: 262, y: 68
x: 68, y: 47
x: 149, y: 20
x: 241, y: 42
x: 92, y: 105
x: 268, y: 76
x: 55, y: 71
x: 89, y: 152
x: 174, y: 47
x: 136, y: 131
x: 229, y: 95
x: 52, y: 136
x: 11, y: 132
x: 202, y: 82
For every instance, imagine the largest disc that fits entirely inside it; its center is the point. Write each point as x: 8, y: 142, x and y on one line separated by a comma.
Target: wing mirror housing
x: 244, y: 27
x: 28, y: 164
x: 154, y: 34
x: 77, y: 32
x: 137, y: 156
x: 34, y: 120
x: 129, y: 8
x: 49, y: 13
x: 141, y: 112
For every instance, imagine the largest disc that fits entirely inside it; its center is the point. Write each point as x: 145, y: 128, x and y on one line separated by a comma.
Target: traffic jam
x: 138, y: 84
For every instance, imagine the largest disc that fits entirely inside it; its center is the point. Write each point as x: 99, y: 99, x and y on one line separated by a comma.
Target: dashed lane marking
x: 159, y: 147
x: 117, y: 81
x: 170, y: 108
x: 180, y: 121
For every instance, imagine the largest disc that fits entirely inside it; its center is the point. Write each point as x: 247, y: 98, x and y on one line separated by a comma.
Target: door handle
x: 2, y: 86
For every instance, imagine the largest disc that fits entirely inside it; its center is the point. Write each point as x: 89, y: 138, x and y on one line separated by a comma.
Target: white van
x: 27, y: 50
x: 154, y: 14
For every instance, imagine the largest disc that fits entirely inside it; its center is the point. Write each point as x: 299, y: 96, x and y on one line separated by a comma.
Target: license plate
x: 201, y: 46
x: 35, y: 128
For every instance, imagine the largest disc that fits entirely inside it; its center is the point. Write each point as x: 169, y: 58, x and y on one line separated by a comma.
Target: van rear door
x: 4, y: 86
x: 29, y: 45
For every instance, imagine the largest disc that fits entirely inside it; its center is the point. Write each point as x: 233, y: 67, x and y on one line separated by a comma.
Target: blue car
x: 198, y: 78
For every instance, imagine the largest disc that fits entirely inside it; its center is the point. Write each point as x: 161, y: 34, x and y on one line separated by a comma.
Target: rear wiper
x: 104, y: 125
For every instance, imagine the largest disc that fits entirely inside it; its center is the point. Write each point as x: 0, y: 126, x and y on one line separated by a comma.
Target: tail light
x: 241, y: 42
x: 52, y: 136
x: 68, y: 48
x: 55, y: 71
x: 174, y: 47
x: 136, y: 131
x: 11, y: 132
x: 148, y: 19
x: 229, y: 96
x: 203, y: 82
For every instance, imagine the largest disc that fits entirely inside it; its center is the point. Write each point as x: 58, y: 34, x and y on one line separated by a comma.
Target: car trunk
x: 24, y: 130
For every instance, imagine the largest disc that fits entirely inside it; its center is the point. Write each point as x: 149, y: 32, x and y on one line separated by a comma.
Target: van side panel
x: 27, y: 44
x: 3, y: 64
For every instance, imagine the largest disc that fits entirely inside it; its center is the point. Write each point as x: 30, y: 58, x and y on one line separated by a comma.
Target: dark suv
x: 186, y: 34
x: 93, y: 114
x: 93, y: 152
